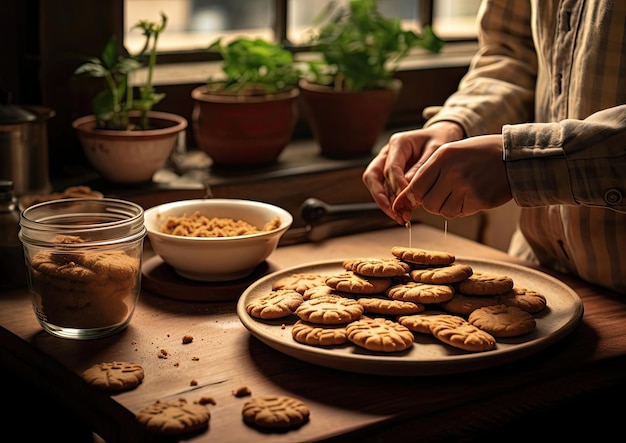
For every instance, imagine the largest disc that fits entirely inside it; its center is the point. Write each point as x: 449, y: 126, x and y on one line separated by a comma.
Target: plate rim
x: 380, y: 364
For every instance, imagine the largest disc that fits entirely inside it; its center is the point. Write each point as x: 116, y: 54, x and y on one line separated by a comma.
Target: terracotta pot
x: 130, y: 156
x: 243, y: 131
x: 347, y: 124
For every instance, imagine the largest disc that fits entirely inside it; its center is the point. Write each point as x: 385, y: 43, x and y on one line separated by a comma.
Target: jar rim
x: 123, y: 219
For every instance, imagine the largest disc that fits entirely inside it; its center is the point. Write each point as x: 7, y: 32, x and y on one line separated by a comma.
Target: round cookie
x: 174, y: 417
x: 385, y: 306
x: 377, y: 267
x: 503, y: 321
x: 299, y: 282
x: 425, y: 322
x: 358, y: 284
x: 424, y: 293
x: 318, y: 335
x: 329, y: 310
x: 480, y: 283
x: 465, y: 304
x: 464, y: 336
x: 114, y: 376
x: 423, y: 256
x: 324, y: 290
x: 275, y: 411
x: 379, y: 334
x: 441, y: 275
x: 525, y: 299
x: 276, y: 304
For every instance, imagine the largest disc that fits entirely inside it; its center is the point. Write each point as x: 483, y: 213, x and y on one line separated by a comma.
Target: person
x: 540, y: 117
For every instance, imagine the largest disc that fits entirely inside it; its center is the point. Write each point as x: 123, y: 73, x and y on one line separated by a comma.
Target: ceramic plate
x: 427, y: 356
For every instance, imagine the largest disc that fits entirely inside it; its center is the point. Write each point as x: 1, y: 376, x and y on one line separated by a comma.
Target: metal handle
x: 314, y: 211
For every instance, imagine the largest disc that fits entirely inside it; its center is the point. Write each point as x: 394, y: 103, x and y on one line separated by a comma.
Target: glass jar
x: 83, y: 261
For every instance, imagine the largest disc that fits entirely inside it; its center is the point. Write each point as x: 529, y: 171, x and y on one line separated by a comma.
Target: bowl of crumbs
x: 215, y: 240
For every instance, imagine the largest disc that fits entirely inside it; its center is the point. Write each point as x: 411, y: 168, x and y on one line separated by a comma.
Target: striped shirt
x: 551, y: 77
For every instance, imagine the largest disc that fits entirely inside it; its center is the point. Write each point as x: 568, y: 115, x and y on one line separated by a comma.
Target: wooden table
x: 344, y: 406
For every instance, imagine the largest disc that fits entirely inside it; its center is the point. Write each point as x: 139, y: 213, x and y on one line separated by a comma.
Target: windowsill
x: 452, y: 55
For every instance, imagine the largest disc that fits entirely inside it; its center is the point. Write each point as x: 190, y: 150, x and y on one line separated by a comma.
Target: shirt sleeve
x: 499, y: 86
x: 572, y: 162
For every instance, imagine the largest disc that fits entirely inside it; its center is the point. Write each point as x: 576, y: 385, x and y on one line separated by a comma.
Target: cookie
x: 174, y: 417
x: 423, y: 256
x: 464, y: 305
x: 385, y: 306
x: 276, y: 304
x: 275, y: 411
x: 299, y: 282
x: 441, y: 275
x: 465, y: 336
x: 423, y: 293
x: 379, y: 334
x: 324, y: 290
x: 358, y: 284
x: 425, y: 322
x: 318, y: 335
x: 329, y: 310
x: 503, y: 321
x: 481, y: 283
x: 114, y: 376
x: 377, y: 267
x: 525, y: 299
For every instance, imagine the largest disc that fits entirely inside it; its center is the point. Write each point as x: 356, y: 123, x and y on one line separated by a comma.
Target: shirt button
x: 613, y: 197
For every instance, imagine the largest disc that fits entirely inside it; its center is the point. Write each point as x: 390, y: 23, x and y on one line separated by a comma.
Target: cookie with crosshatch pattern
x: 174, y: 417
x: 423, y: 256
x: 275, y: 411
x: 114, y: 376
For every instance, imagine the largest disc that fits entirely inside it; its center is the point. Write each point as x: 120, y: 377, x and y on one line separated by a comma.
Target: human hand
x: 459, y: 179
x: 390, y: 172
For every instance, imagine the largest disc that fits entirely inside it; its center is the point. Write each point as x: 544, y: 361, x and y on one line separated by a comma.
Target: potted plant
x: 348, y: 94
x: 247, y: 117
x: 125, y: 140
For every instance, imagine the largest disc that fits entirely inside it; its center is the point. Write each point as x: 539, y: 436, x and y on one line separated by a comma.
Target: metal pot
x: 24, y: 148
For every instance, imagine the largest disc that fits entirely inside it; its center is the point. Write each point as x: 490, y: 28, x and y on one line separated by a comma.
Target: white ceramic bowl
x: 216, y: 258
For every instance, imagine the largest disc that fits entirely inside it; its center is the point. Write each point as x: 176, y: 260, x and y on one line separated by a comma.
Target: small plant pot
x: 130, y: 156
x: 347, y: 124
x: 243, y: 131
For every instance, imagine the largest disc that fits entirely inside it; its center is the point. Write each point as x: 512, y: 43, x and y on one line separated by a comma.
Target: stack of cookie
x: 380, y: 303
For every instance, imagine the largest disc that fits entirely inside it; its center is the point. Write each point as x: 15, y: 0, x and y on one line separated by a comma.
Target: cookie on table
x: 425, y: 322
x: 275, y: 412
x: 441, y: 275
x: 114, y: 376
x: 275, y: 304
x: 464, y: 305
x: 377, y: 267
x: 319, y: 335
x: 481, y: 283
x: 358, y: 284
x: 329, y: 310
x: 503, y: 321
x: 174, y: 417
x: 423, y: 293
x: 525, y: 299
x: 423, y: 256
x: 380, y: 334
x: 299, y: 282
x: 386, y: 306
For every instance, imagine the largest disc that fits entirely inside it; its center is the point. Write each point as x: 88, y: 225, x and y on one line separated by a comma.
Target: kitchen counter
x: 345, y: 406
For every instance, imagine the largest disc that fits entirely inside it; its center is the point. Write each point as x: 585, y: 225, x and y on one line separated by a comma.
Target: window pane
x: 194, y: 24
x: 455, y: 19
x: 302, y: 13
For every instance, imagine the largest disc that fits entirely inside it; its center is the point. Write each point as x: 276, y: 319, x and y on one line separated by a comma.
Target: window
x: 193, y: 24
